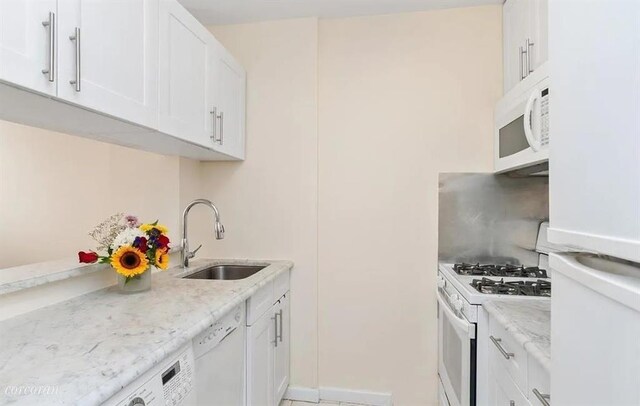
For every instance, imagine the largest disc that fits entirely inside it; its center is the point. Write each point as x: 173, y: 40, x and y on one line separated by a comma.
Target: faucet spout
x: 185, y: 254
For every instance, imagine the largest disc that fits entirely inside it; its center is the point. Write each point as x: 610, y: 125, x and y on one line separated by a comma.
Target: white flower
x: 126, y: 237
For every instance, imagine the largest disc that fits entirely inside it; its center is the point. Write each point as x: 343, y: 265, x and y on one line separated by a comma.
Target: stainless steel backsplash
x: 490, y: 218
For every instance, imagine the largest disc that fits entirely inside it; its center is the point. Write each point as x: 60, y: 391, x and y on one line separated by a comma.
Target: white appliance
x: 463, y: 328
x: 220, y: 360
x: 594, y: 189
x: 169, y: 383
x: 522, y: 124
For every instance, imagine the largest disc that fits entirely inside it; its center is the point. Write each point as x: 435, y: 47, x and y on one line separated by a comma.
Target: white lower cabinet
x: 260, y: 360
x: 515, y: 377
x: 268, y: 345
x: 503, y: 391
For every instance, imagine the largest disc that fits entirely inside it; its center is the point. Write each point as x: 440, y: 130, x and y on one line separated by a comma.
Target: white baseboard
x: 338, y: 395
x: 302, y: 394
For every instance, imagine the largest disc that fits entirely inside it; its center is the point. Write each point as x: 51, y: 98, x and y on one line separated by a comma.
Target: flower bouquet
x: 131, y: 249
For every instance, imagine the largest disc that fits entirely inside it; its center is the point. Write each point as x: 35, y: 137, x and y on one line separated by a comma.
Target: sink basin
x: 226, y: 272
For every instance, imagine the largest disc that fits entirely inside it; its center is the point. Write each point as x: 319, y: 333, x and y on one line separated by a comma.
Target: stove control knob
x: 441, y: 282
x: 457, y: 305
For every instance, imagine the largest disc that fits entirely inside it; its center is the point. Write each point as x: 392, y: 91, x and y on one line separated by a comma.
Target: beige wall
x: 401, y: 97
x: 269, y: 202
x: 55, y: 187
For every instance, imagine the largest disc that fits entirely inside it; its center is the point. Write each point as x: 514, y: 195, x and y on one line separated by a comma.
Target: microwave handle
x: 534, y: 142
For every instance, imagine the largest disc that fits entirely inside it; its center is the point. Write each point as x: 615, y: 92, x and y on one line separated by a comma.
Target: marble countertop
x: 86, y: 349
x: 529, y: 322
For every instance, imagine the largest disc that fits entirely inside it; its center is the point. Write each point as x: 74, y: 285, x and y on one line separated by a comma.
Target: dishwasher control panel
x: 168, y: 384
x: 218, y: 331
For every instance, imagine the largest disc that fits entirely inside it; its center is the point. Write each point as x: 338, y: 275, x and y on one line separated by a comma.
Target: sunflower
x: 129, y: 261
x: 148, y: 227
x: 162, y: 259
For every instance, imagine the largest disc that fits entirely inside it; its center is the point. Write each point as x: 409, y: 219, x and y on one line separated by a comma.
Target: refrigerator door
x: 595, y: 326
x: 594, y: 162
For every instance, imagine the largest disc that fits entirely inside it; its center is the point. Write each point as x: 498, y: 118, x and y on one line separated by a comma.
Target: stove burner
x: 514, y: 288
x: 500, y: 270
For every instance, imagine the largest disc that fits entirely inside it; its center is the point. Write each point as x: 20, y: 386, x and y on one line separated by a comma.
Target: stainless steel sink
x: 226, y: 272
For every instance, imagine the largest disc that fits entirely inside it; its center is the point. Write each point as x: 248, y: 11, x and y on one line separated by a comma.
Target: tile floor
x: 322, y: 403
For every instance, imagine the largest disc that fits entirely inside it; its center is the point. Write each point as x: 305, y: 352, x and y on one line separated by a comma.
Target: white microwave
x: 522, y: 124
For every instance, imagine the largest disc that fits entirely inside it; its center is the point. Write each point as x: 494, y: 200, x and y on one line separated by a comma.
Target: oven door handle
x: 458, y: 322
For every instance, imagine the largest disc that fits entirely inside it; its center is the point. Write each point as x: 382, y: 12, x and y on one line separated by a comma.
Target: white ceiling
x: 211, y: 12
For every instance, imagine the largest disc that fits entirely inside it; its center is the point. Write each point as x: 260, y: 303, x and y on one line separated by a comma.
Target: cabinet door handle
x: 523, y: 53
x: 529, y: 48
x: 543, y: 398
x: 504, y: 353
x: 51, y: 24
x: 281, y: 330
x: 214, y: 115
x: 76, y: 37
x: 275, y: 320
x: 221, y: 117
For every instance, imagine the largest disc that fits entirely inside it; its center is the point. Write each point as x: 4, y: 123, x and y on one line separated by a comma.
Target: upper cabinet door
x: 515, y: 17
x: 27, y: 46
x: 594, y: 160
x: 185, y: 100
x: 229, y: 103
x: 108, y: 57
x: 539, y: 33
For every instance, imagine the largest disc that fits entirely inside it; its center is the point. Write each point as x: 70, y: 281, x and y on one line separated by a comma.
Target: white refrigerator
x: 594, y: 181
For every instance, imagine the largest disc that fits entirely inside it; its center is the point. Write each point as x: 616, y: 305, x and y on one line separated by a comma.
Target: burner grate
x: 519, y: 271
x: 513, y: 288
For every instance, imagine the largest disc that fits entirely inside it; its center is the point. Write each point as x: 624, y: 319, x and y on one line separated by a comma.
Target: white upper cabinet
x: 27, y: 46
x: 525, y: 39
x: 185, y: 98
x: 108, y: 53
x: 140, y: 73
x: 228, y: 103
x: 594, y: 160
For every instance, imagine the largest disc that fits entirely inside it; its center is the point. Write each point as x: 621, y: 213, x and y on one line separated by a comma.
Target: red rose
x: 87, y: 257
x: 141, y: 244
x: 162, y: 242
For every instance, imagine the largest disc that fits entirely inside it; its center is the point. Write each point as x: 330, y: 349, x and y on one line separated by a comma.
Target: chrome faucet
x: 185, y: 254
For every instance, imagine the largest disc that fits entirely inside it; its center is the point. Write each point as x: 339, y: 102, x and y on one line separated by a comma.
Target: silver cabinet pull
x: 221, y: 117
x: 275, y: 320
x: 529, y: 47
x: 543, y: 398
x: 281, y: 330
x: 51, y: 25
x: 504, y: 353
x: 214, y: 115
x: 523, y: 53
x: 76, y: 37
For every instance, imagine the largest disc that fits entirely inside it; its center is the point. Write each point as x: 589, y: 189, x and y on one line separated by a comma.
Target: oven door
x: 456, y: 354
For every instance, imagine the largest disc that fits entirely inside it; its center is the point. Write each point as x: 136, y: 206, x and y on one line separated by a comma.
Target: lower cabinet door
x: 281, y: 367
x: 261, y: 336
x: 503, y: 391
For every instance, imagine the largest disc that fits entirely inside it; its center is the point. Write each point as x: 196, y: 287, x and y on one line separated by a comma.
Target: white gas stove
x: 463, y: 325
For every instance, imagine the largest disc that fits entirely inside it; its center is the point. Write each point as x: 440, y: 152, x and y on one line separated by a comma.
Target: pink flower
x: 132, y: 221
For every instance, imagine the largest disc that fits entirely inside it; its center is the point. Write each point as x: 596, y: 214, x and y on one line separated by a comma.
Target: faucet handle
x: 193, y: 253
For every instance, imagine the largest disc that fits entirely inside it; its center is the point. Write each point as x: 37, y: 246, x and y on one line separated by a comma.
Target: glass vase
x: 135, y: 284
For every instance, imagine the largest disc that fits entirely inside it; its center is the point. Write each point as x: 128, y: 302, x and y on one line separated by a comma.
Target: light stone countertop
x: 529, y: 322
x: 92, y: 346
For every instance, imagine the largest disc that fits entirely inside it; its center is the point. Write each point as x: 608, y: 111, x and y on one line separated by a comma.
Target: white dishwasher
x: 220, y: 361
